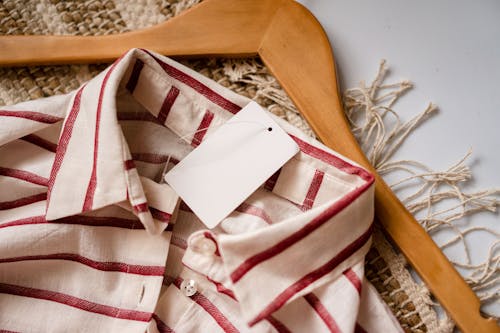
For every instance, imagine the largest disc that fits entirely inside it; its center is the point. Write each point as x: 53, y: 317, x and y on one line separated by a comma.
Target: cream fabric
x: 91, y: 239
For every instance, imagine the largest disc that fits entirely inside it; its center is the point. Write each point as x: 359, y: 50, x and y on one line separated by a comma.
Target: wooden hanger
x: 294, y: 47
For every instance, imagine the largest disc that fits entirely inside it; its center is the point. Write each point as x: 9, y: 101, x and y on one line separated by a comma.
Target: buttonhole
x: 143, y: 290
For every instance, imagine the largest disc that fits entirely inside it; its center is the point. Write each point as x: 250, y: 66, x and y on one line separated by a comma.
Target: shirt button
x: 188, y: 287
x: 204, y: 246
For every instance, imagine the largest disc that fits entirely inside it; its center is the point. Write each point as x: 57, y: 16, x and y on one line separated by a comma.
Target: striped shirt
x: 91, y: 239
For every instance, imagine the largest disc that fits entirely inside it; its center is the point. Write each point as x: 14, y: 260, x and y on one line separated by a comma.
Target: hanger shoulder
x: 293, y: 45
x: 307, y: 73
x: 212, y: 28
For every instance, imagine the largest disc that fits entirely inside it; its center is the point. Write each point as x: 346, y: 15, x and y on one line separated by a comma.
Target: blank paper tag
x: 231, y: 163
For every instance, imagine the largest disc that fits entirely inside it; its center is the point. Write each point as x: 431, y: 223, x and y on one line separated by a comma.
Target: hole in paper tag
x: 230, y: 164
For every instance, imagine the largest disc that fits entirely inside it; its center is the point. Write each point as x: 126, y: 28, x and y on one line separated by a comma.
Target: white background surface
x: 450, y: 50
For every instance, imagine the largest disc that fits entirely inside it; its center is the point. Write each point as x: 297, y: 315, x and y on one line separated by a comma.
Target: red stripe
x: 99, y: 265
x: 197, y: 85
x: 300, y: 234
x: 141, y: 208
x: 89, y: 196
x: 64, y: 140
x: 101, y: 221
x: 160, y: 215
x: 24, y: 221
x: 5, y: 331
x: 211, y: 309
x: 154, y: 158
x: 32, y: 115
x: 278, y: 325
x: 40, y: 142
x: 137, y: 116
x: 332, y: 159
x: 23, y: 201
x: 309, y: 278
x: 313, y: 189
x: 168, y: 102
x: 75, y: 302
x: 222, y: 289
x: 202, y: 128
x: 255, y: 211
x: 161, y: 326
x: 359, y: 329
x: 354, y: 279
x: 134, y: 76
x: 93, y: 221
x: 129, y: 164
x: 322, y: 312
x: 269, y: 185
x: 24, y: 175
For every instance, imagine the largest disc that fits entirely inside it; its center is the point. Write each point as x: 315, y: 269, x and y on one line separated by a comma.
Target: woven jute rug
x: 385, y: 268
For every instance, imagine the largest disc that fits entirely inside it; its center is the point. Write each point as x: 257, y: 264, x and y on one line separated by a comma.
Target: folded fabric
x: 92, y: 239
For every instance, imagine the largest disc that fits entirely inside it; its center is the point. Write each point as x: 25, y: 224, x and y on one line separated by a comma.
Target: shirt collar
x: 93, y: 166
